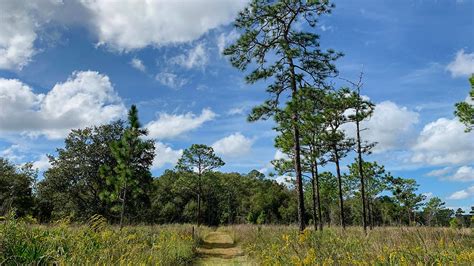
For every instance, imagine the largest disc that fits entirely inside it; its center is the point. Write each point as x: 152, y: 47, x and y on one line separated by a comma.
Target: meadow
x: 96, y: 242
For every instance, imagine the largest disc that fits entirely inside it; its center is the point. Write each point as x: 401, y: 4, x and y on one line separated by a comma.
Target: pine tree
x: 131, y: 177
x: 199, y: 159
x: 465, y: 110
x: 290, y: 57
x: 334, y: 115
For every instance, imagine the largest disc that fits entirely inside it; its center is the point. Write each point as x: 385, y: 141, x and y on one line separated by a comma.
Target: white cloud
x: 20, y: 22
x: 280, y: 155
x: 12, y: 153
x: 463, y: 194
x: 463, y: 174
x: 195, y: 58
x: 171, y: 125
x: 129, y: 24
x: 223, y: 40
x: 171, y: 80
x: 138, y: 64
x: 42, y: 164
x: 440, y: 172
x: 391, y: 126
x: 285, y: 180
x: 165, y: 155
x: 236, y: 111
x: 444, y: 142
x: 86, y: 98
x: 233, y: 145
x: 462, y: 65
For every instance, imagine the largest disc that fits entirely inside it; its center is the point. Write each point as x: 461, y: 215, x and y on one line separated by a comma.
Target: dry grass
x: 64, y: 244
x: 283, y: 245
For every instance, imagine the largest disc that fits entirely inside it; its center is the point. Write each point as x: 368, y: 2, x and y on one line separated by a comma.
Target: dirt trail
x: 219, y: 249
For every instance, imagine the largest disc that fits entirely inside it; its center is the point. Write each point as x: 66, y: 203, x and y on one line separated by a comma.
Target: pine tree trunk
x: 297, y: 149
x: 313, y: 187
x: 341, y: 199
x: 199, y: 201
x: 318, y: 198
x: 361, y: 174
x: 122, y: 211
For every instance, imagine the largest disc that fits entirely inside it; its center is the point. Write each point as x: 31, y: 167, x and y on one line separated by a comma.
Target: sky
x: 78, y: 63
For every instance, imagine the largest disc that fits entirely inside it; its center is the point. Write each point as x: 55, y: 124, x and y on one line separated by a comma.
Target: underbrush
x: 22, y: 243
x: 283, y: 245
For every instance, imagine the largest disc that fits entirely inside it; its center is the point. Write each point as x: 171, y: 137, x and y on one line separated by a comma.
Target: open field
x: 97, y: 243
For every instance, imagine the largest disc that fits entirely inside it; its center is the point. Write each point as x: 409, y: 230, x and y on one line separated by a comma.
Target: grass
x: 64, y: 244
x: 99, y: 243
x: 283, y: 245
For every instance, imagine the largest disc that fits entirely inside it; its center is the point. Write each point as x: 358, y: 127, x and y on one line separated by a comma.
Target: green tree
x: 363, y: 110
x: 404, y: 192
x: 199, y: 159
x: 465, y: 110
x: 292, y: 58
x: 432, y: 210
x: 72, y: 185
x: 336, y: 105
x: 16, y: 188
x: 375, y: 181
x: 130, y: 178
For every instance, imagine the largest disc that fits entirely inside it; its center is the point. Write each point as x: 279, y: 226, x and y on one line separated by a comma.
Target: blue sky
x: 79, y: 63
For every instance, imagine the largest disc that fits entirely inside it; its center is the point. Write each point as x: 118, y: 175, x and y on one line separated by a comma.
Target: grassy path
x: 219, y: 249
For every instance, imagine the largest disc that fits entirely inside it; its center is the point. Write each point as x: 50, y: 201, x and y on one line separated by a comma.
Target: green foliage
x: 199, y: 158
x: 130, y: 177
x: 73, y: 184
x: 65, y: 244
x: 465, y: 110
x: 16, y: 188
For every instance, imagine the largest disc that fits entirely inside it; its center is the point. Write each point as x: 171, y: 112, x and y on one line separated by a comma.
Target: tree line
x: 105, y: 170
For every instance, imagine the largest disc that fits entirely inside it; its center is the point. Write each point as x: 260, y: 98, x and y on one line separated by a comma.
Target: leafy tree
x: 16, y: 188
x: 131, y: 176
x: 200, y: 159
x: 465, y: 110
x: 336, y: 104
x: 432, y: 209
x: 292, y: 58
x: 72, y: 185
x: 404, y: 192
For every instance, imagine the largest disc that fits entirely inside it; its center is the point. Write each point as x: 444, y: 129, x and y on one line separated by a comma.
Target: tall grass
x: 21, y: 243
x: 283, y: 245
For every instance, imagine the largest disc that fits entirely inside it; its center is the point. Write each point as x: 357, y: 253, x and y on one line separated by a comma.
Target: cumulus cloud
x: 42, y: 164
x: 463, y: 174
x: 172, y: 125
x: 444, y: 142
x: 194, y: 58
x: 20, y: 22
x: 463, y: 194
x: 233, y: 145
x: 462, y: 65
x: 165, y: 155
x: 157, y: 22
x: 86, y: 98
x: 171, y: 80
x: 138, y: 64
x: 391, y: 126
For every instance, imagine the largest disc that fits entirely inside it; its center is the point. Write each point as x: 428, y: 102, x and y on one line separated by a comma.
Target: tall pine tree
x: 272, y: 39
